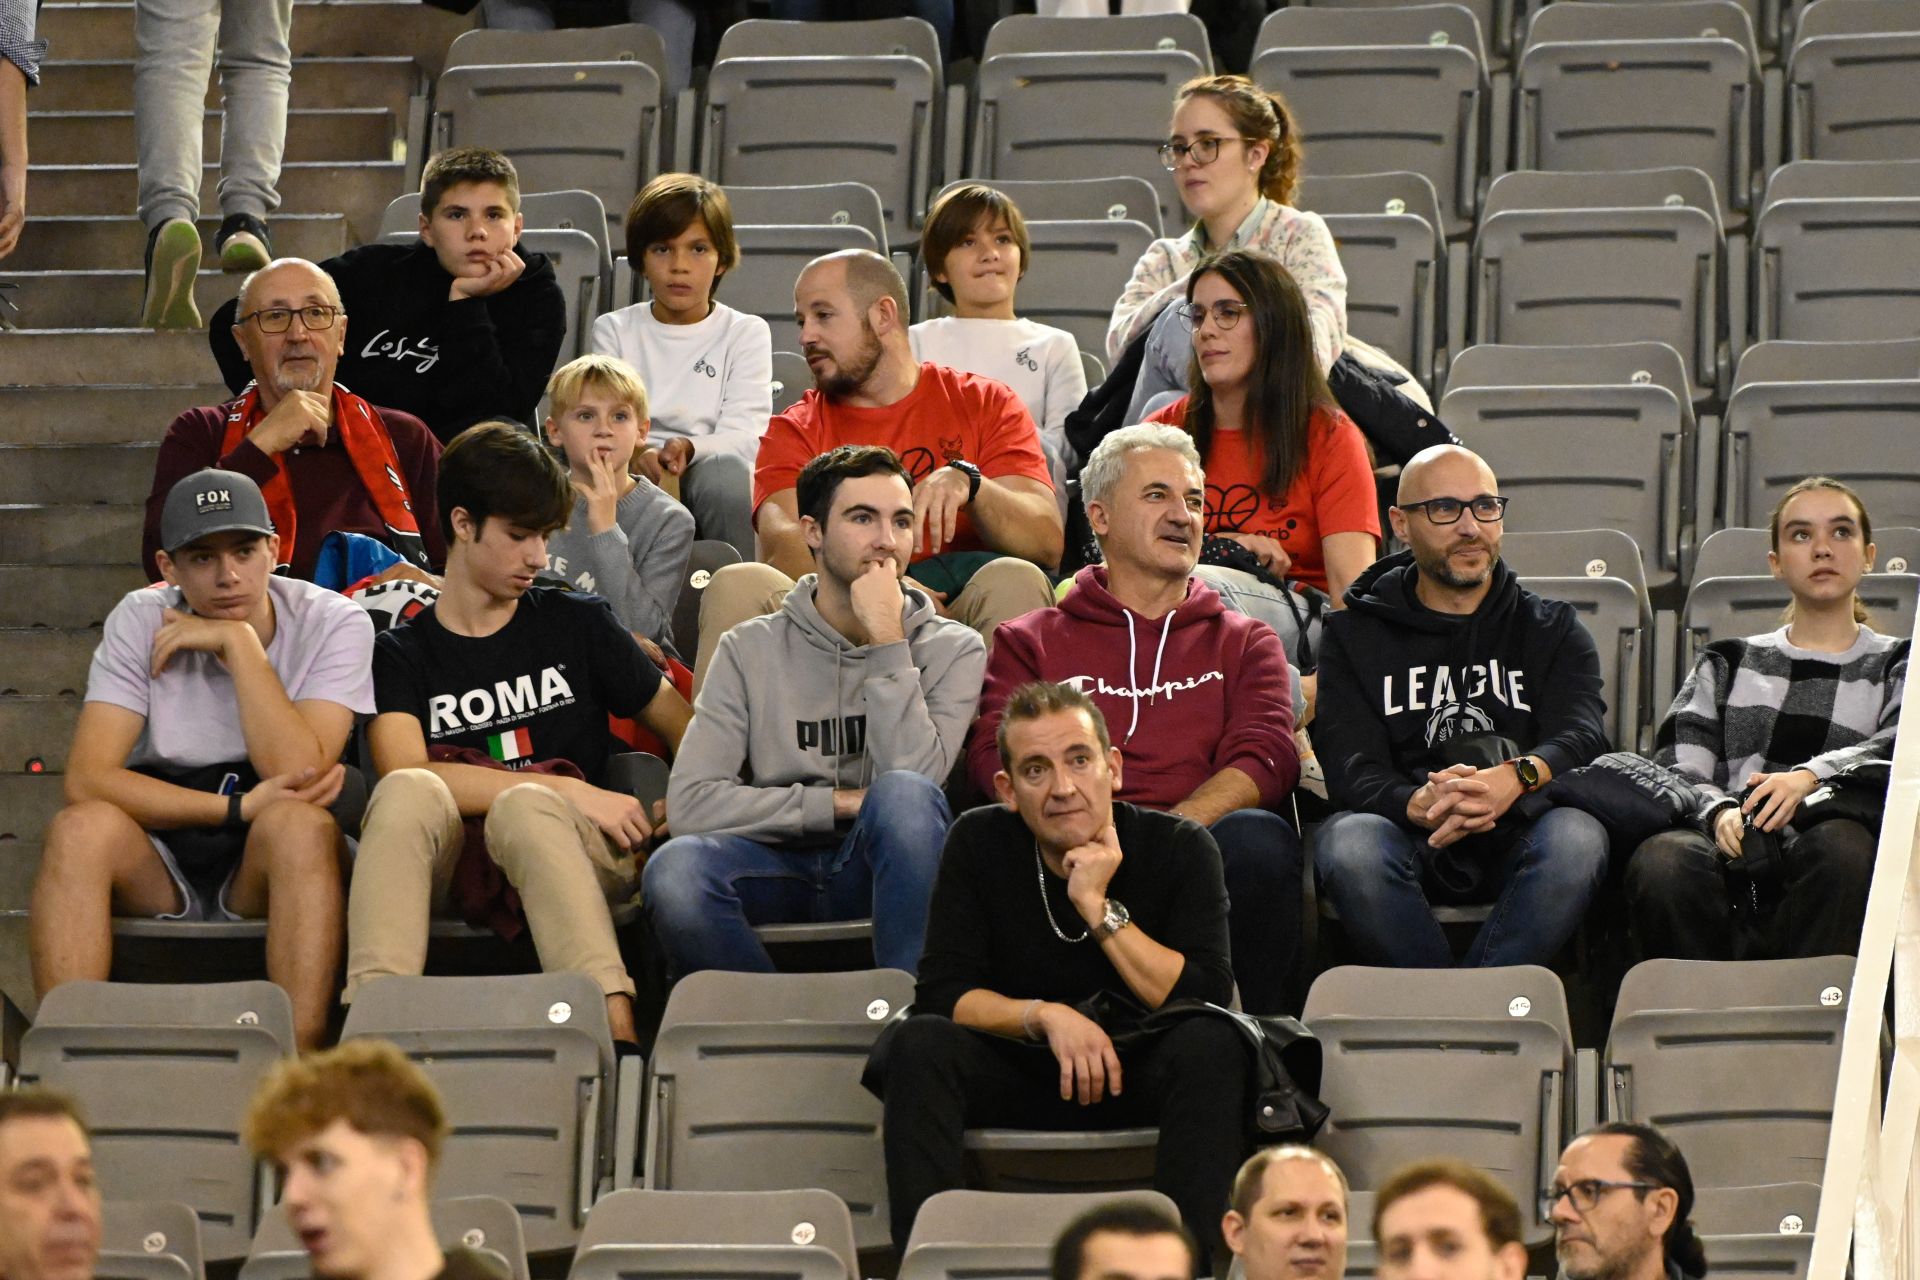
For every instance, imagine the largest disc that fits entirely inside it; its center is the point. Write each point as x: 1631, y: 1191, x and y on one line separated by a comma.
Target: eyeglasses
x: 1586, y: 1193
x: 1225, y: 314
x: 280, y: 319
x: 1202, y: 151
x: 1486, y: 509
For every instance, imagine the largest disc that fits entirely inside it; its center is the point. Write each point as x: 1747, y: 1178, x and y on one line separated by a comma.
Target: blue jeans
x: 1260, y: 856
x: 705, y: 893
x: 1371, y: 869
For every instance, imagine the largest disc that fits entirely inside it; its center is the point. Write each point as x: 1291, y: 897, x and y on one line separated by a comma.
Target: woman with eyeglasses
x: 1288, y: 478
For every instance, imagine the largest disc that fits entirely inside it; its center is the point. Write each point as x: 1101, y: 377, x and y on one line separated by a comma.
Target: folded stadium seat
x: 1079, y: 115
x: 1578, y: 258
x: 149, y: 1240
x: 1477, y: 1064
x: 740, y: 1235
x: 771, y: 260
x: 1734, y: 553
x: 1006, y: 1235
x: 163, y: 1074
x: 1616, y: 616
x: 1865, y: 433
x: 707, y: 556
x: 755, y: 1086
x: 1849, y: 86
x: 1077, y: 269
x: 1781, y: 1208
x: 1035, y: 33
x: 836, y: 204
x: 1608, y: 87
x: 1501, y: 22
x: 1731, y: 607
x: 792, y: 378
x: 1377, y: 90
x: 1398, y: 286
x: 1077, y: 199
x: 1685, y: 1030
x: 1844, y: 266
x: 1759, y: 1257
x: 540, y: 1112
x: 486, y: 1224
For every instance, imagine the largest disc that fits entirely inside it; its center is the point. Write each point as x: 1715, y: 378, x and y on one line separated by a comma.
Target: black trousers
x: 1193, y: 1082
x: 1681, y: 907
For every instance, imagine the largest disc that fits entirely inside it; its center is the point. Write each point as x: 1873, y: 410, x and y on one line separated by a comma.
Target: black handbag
x: 1634, y: 798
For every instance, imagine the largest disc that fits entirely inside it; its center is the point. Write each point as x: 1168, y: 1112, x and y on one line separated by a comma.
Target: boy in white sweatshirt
x: 709, y: 368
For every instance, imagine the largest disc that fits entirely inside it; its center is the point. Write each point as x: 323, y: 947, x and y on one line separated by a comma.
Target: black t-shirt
x: 539, y: 688
x: 986, y: 927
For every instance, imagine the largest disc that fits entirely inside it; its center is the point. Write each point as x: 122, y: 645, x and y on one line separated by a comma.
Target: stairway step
x: 45, y: 660
x: 32, y: 595
x: 106, y: 84
x: 97, y: 415
x: 88, y: 242
x: 106, y: 137
x: 40, y: 728
x: 334, y: 28
x: 77, y: 473
x: 114, y: 357
x: 96, y: 299
x: 361, y: 190
x: 75, y: 534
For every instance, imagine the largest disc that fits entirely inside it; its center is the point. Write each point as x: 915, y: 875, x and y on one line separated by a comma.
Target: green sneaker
x: 243, y: 243
x: 173, y: 260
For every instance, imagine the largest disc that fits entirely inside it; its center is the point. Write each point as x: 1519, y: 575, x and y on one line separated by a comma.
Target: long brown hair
x: 1860, y: 613
x: 1286, y: 383
x: 1262, y: 116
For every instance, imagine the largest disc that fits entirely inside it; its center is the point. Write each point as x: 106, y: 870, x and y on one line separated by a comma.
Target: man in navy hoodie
x: 1447, y: 692
x: 1199, y: 697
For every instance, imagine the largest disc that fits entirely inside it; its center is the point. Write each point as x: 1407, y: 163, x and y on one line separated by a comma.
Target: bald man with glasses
x: 1447, y: 693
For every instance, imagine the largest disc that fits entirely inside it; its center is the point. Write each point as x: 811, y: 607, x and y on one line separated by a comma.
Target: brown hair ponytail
x: 1264, y: 117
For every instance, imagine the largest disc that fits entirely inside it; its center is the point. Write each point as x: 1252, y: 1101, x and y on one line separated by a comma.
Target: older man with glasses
x: 1447, y: 693
x: 324, y: 458
x: 1619, y: 1204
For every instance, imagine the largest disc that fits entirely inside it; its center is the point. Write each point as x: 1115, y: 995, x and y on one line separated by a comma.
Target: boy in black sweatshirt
x: 455, y: 328
x: 1439, y: 655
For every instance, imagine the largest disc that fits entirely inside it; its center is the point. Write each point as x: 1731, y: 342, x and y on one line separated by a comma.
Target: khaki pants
x: 409, y: 842
x: 1003, y: 589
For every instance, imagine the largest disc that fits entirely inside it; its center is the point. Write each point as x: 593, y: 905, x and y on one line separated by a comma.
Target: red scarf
x: 368, y: 446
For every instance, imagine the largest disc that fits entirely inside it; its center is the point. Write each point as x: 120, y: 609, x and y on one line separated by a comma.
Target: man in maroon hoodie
x: 1199, y: 697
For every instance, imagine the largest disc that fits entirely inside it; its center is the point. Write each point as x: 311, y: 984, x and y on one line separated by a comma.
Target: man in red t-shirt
x: 986, y: 522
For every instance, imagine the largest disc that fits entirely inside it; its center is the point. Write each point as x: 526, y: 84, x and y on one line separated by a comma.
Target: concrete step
x: 76, y: 534
x: 106, y: 137
x: 28, y: 802
x: 31, y: 595
x: 114, y: 357
x: 95, y: 299
x: 75, y: 473
x: 36, y: 728
x: 334, y: 28
x: 96, y: 415
x: 361, y: 191
x: 45, y: 660
x: 106, y: 84
x: 87, y: 243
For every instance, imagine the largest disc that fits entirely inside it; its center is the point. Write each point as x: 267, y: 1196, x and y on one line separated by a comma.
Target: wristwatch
x: 1116, y: 919
x: 1528, y: 772
x: 971, y: 472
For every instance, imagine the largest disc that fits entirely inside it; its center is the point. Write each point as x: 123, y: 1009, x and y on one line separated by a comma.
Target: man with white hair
x: 1200, y: 697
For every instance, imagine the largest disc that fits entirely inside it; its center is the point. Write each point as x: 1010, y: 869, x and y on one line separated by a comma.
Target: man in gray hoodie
x: 808, y: 785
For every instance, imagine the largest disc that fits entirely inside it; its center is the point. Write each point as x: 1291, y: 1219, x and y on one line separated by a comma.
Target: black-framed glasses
x: 280, y: 319
x: 1202, y: 151
x: 1586, y: 1193
x: 1487, y: 509
x: 1226, y: 314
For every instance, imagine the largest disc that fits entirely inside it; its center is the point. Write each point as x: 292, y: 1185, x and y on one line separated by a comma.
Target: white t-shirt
x: 711, y: 381
x: 322, y: 650
x: 1041, y: 364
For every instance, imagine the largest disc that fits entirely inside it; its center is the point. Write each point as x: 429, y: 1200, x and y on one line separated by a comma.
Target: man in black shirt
x: 1057, y: 897
x: 495, y: 677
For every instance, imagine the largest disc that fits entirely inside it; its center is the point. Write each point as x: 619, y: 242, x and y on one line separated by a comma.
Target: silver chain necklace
x: 1040, y: 874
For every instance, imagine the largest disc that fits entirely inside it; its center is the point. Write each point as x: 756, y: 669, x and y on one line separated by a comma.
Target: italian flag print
x: 512, y: 745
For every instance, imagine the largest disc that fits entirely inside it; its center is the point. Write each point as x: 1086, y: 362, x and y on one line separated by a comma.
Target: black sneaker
x: 173, y: 260
x: 243, y: 243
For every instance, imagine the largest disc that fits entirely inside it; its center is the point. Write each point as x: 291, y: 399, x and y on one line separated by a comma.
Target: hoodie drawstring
x: 1153, y: 686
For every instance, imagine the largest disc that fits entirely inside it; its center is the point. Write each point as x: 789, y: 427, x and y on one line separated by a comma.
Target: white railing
x: 1870, y: 1198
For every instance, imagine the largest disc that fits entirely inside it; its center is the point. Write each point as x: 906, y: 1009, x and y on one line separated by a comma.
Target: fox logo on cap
x: 213, y: 500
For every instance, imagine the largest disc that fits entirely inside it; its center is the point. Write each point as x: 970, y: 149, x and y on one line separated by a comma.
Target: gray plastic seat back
x: 1327, y: 26
x: 707, y: 556
x: 1818, y: 982
x: 1865, y: 433
x: 1496, y: 365
x: 792, y: 378
x: 1079, y: 115
x: 978, y: 1261
x: 1576, y: 553
x: 565, y: 125
x: 1497, y: 994
x: 576, y: 259
x: 620, y: 42
x: 1365, y: 193
x: 1078, y: 269
x: 1587, y: 21
x: 1395, y: 265
x: 705, y: 1262
x: 868, y: 37
x: 1031, y: 33
x: 1823, y: 179
x: 1389, y: 107
x: 524, y: 1065
x: 1012, y: 1218
x: 835, y: 204
x: 786, y: 121
x: 712, y: 995
x: 1729, y: 608
x: 1855, y: 18
x: 1613, y: 613
x: 149, y: 1240
x: 1662, y: 188
x: 759, y: 1219
x: 1742, y: 552
x: 771, y: 260
x: 1778, y: 1208
x: 1838, y: 269
x: 1777, y: 361
x: 1849, y: 97
x: 1122, y: 197
x: 574, y: 210
x: 1759, y: 1257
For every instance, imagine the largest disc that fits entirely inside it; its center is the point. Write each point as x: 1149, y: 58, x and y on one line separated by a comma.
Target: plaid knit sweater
x: 1763, y: 705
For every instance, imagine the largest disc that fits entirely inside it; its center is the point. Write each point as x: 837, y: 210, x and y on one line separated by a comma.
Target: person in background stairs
x: 20, y: 56
x: 455, y: 328
x: 176, y: 43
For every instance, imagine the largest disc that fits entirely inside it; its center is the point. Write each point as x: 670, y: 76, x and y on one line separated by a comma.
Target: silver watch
x: 1116, y: 919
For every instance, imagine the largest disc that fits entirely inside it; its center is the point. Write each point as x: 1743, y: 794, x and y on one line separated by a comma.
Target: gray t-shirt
x: 322, y: 650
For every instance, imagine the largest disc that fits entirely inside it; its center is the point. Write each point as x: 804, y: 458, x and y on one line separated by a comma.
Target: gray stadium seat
x: 1865, y: 433
x: 577, y: 262
x: 565, y: 125
x: 1855, y: 18
x: 636, y: 1221
x: 1585, y: 21
x: 162, y: 1072
x: 1396, y: 295
x: 1330, y: 26
x: 149, y: 1240
x: 1576, y: 553
x: 705, y: 1262
x: 785, y: 121
x: 1032, y: 33
x: 977, y: 1261
x: 1622, y: 629
x: 1078, y: 199
x: 1573, y: 258
x: 1010, y: 1218
x: 1780, y: 1208
x: 1079, y: 115
x: 486, y: 1224
x: 1826, y: 179
x: 792, y: 378
x: 525, y: 1065
x: 1849, y: 97
x: 1742, y: 552
x: 1051, y: 1161
x: 771, y: 260
x: 755, y: 1085
x: 707, y: 555
x: 1507, y: 365
x: 1369, y: 193
x: 1828, y: 362
x: 872, y: 37
x: 1078, y: 269
x: 1837, y: 269
x: 816, y: 204
x: 620, y: 42
x: 1729, y: 608
x: 1759, y: 1257
x: 1498, y: 994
